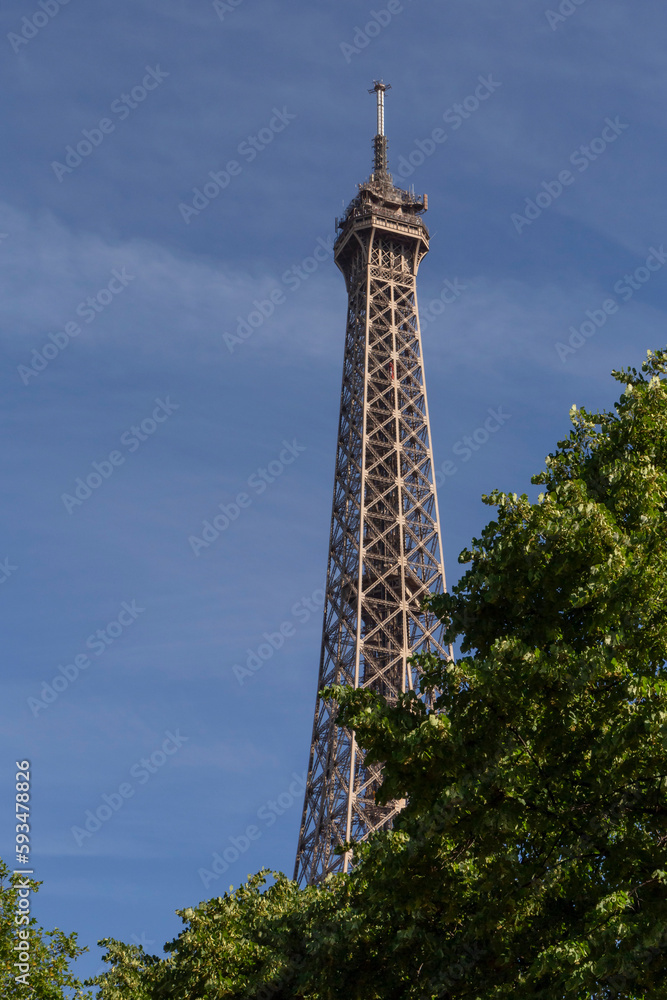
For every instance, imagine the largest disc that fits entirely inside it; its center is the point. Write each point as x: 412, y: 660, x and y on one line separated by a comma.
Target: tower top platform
x: 379, y: 200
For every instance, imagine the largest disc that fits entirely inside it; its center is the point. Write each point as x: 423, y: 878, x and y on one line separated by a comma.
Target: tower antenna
x: 380, y: 141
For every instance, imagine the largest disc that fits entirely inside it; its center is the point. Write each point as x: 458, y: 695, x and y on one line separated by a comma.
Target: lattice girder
x: 385, y: 550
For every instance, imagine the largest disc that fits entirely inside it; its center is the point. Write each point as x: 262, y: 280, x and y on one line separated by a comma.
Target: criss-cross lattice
x: 385, y: 551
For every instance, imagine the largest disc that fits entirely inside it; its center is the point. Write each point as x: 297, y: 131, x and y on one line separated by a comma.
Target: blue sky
x: 138, y: 304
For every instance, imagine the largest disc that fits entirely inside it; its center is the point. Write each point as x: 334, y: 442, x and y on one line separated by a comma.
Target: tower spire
x: 380, y: 168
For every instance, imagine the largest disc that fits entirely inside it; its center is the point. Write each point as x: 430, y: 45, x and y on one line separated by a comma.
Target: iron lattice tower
x: 385, y: 551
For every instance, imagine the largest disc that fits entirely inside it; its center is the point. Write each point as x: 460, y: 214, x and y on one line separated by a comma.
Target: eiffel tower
x: 385, y: 552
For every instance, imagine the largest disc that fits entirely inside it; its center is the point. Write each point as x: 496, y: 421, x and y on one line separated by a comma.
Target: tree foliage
x: 49, y: 976
x: 531, y: 858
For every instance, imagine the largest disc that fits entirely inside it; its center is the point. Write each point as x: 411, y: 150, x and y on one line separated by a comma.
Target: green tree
x: 536, y: 828
x: 531, y: 858
x: 49, y: 976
